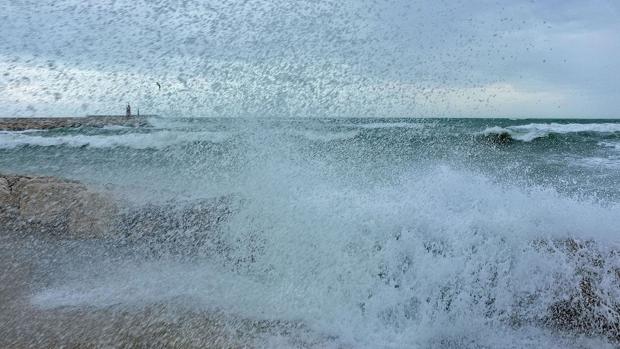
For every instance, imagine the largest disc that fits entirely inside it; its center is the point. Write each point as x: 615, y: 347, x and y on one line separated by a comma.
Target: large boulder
x: 65, y: 209
x: 55, y: 206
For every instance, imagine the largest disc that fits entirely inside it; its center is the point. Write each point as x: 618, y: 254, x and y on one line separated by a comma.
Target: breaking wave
x: 614, y: 145
x: 530, y: 132
x: 322, y: 136
x: 380, y: 125
x: 358, y: 242
x: 444, y: 254
x: 155, y: 140
x: 600, y: 162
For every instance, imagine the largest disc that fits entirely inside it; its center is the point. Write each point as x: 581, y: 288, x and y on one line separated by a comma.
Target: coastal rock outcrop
x: 66, y: 209
x: 178, y: 228
x: 54, y: 207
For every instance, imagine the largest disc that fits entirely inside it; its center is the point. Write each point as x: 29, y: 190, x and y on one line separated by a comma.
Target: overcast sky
x: 386, y: 58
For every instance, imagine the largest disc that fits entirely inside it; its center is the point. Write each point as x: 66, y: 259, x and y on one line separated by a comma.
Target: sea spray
x: 409, y: 253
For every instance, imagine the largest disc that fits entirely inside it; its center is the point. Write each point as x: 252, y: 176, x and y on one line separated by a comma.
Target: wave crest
x: 152, y: 140
x: 530, y: 132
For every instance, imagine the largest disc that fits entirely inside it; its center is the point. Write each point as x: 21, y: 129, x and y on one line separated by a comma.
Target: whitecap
x: 380, y: 125
x: 326, y: 136
x: 600, y: 162
x: 530, y: 132
x: 615, y: 145
x: 157, y: 140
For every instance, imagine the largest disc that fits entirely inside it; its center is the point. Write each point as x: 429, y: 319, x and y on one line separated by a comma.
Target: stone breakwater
x: 21, y: 124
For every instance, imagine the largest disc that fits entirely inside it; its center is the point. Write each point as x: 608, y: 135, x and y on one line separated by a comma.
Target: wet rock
x: 581, y: 314
x: 179, y: 228
x: 5, y: 193
x: 590, y: 308
x: 173, y: 325
x: 54, y: 206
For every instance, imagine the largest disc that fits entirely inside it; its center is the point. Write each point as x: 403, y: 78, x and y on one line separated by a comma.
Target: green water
x: 576, y: 157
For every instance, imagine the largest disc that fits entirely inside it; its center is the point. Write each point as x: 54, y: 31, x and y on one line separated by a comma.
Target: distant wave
x: 156, y: 140
x: 530, y: 132
x: 116, y: 127
x: 378, y: 125
x: 326, y: 136
x: 615, y: 145
x: 600, y: 162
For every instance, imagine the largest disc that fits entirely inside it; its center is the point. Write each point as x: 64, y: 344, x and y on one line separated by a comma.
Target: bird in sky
x: 158, y: 85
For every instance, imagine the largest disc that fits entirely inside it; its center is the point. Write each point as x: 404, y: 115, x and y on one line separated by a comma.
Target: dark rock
x: 177, y: 228
x: 589, y: 308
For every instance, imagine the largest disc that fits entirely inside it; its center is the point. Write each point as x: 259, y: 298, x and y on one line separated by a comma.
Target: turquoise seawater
x: 575, y: 157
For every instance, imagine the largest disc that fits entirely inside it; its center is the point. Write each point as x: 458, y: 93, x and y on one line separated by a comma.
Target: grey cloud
x: 292, y: 50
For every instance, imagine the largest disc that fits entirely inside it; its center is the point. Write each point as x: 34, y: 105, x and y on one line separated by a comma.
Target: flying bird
x: 158, y: 85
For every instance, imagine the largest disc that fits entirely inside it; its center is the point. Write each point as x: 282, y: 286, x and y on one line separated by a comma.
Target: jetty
x: 44, y: 123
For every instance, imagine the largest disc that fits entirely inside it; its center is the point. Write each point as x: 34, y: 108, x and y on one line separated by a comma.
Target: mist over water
x: 257, y: 58
x: 318, y: 174
x: 369, y: 232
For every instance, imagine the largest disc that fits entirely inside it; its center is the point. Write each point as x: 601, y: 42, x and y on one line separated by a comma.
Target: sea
x: 365, y: 232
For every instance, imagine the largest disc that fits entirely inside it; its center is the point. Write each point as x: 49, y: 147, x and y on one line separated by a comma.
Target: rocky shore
x: 56, y: 211
x: 54, y: 207
x: 62, y: 209
x: 21, y: 124
x: 48, y: 224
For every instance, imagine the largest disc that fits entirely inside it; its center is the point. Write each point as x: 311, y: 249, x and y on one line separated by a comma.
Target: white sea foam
x: 443, y: 254
x: 495, y: 130
x: 529, y: 132
x: 614, y: 145
x: 156, y: 139
x: 322, y: 136
x: 116, y: 127
x: 600, y: 162
x: 379, y: 125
